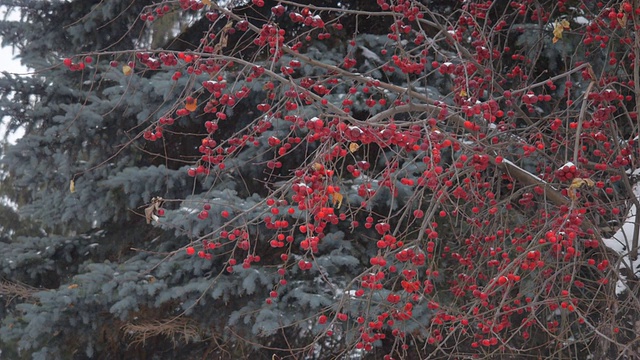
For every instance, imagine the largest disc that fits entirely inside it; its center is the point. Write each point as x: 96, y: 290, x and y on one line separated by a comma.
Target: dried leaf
x: 336, y: 199
x: 580, y: 182
x: 223, y: 37
x: 191, y: 104
x: 623, y: 20
x: 353, y: 147
x: 591, y: 73
x: 557, y: 33
x: 463, y: 93
x: 72, y: 186
x: 558, y: 28
x: 206, y: 2
x: 576, y: 184
x: 150, y: 211
x: 72, y: 286
x: 127, y: 70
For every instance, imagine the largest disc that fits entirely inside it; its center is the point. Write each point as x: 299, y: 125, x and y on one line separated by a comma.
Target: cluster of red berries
x: 77, y: 66
x: 567, y: 173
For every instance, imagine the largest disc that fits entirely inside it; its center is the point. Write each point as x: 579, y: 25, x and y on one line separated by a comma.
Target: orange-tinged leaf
x: 206, y: 2
x: 72, y: 286
x: 580, y: 182
x: 353, y: 147
x: 191, y: 104
x: 336, y: 199
x: 463, y: 93
x: 558, y: 28
x: 576, y: 184
x: 127, y: 70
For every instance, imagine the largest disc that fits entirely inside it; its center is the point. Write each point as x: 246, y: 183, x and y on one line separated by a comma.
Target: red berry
x: 191, y: 250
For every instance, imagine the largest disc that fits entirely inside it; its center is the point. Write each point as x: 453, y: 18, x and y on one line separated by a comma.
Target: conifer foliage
x: 321, y: 179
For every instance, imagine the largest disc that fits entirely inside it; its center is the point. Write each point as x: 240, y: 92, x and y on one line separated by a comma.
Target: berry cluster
x: 567, y: 172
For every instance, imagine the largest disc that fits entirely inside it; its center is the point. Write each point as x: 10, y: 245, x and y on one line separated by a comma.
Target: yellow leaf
x: 192, y: 104
x: 353, y: 147
x: 336, y: 198
x: 127, y: 70
x: 463, y: 93
x: 576, y: 184
x: 72, y: 186
x: 206, y: 2
x: 580, y: 182
x: 558, y: 28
